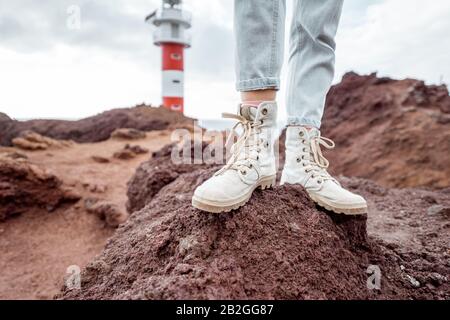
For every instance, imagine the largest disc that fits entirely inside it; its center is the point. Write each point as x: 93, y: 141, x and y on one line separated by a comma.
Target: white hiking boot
x: 306, y: 165
x: 251, y: 165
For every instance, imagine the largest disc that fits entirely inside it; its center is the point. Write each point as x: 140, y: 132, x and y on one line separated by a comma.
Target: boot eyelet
x: 303, y: 141
x: 261, y: 122
x: 264, y: 111
x: 257, y: 157
x: 298, y: 159
x: 244, y: 172
x: 267, y: 144
x: 250, y: 166
x: 303, y: 157
x: 301, y: 133
x: 304, y: 150
x: 304, y: 164
x: 319, y: 181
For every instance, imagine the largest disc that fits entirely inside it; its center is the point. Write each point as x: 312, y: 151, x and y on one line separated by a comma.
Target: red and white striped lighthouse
x: 171, y: 23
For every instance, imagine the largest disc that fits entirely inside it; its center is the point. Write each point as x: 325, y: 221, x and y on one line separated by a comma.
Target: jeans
x: 259, y: 33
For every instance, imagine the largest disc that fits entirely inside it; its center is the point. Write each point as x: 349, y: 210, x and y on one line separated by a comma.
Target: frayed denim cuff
x: 297, y: 121
x: 258, y: 84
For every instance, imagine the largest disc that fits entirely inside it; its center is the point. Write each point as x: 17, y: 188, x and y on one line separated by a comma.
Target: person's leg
x: 259, y: 37
x: 254, y: 96
x: 311, y: 59
x: 311, y: 70
x: 259, y: 32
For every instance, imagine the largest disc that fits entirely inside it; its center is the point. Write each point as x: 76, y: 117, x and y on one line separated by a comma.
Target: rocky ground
x: 45, y: 227
x: 279, y: 246
x: 103, y: 194
x: 25, y: 185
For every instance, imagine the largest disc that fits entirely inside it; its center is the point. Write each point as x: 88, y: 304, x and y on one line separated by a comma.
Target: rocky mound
x: 4, y: 117
x: 161, y: 170
x: 395, y: 132
x: 107, y: 211
x: 129, y: 152
x: 29, y: 140
x: 24, y: 186
x: 279, y: 246
x: 128, y: 134
x: 96, y: 128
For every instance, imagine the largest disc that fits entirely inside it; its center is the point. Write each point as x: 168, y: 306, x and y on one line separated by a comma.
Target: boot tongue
x: 314, y: 132
x: 248, y: 112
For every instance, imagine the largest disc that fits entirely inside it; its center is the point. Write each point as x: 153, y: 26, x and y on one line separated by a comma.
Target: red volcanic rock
x: 29, y: 140
x: 159, y: 171
x: 124, y: 154
x: 107, y: 211
x: 96, y: 128
x: 129, y: 152
x: 278, y: 246
x: 128, y: 134
x: 24, y: 186
x: 100, y: 159
x: 137, y: 149
x: 395, y: 132
x: 4, y: 117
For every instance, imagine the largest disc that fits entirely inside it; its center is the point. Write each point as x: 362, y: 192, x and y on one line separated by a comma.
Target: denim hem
x: 297, y: 121
x: 258, y: 84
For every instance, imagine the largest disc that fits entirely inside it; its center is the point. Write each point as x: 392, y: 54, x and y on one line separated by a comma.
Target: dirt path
x: 37, y: 247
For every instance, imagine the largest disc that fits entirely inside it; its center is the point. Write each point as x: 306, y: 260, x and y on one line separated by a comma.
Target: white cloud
x: 49, y: 71
x: 399, y: 38
x: 69, y: 83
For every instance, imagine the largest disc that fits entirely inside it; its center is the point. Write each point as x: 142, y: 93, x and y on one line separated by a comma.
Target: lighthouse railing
x: 172, y: 15
x: 163, y: 37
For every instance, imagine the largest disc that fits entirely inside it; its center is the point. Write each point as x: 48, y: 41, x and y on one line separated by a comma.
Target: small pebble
x: 414, y: 282
x: 438, y: 209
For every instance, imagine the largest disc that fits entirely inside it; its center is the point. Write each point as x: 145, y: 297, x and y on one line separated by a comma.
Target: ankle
x: 252, y: 103
x: 258, y: 95
x: 307, y: 127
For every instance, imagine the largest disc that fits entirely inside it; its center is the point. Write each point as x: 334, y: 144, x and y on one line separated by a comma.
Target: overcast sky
x: 50, y: 69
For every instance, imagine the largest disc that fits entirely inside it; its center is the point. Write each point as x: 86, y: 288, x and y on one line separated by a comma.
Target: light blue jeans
x: 259, y: 33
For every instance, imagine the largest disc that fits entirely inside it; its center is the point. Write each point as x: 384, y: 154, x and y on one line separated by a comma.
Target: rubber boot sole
x: 341, y: 209
x: 217, y: 207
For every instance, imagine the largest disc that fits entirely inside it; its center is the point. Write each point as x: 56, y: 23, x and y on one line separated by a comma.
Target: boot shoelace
x: 319, y: 164
x: 246, y: 142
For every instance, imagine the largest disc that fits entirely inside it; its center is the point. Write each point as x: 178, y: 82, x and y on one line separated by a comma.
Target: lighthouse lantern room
x: 171, y: 22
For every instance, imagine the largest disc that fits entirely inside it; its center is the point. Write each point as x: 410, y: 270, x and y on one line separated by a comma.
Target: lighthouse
x: 171, y: 22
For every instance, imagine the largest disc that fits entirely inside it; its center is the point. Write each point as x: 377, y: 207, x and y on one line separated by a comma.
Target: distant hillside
x: 96, y: 128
